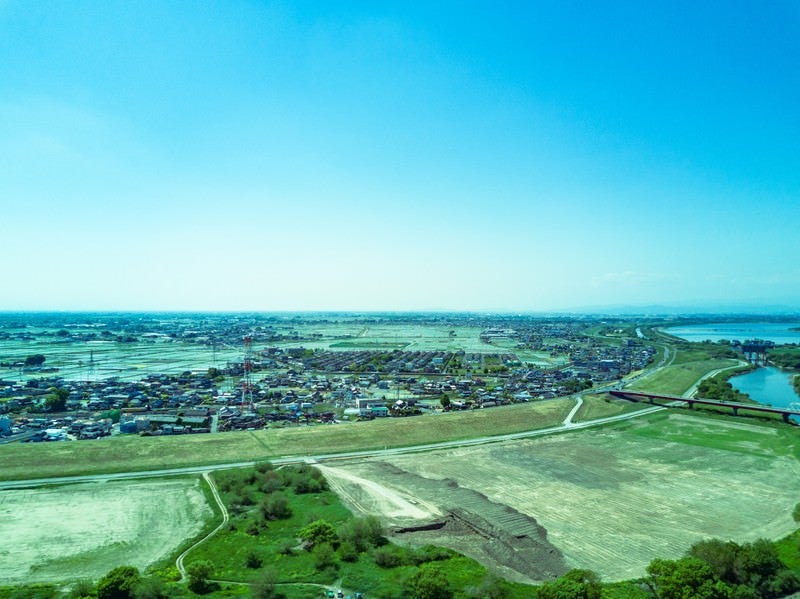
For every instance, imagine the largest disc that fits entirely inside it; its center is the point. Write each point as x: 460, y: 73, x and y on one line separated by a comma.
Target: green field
x: 679, y: 377
x: 603, y: 406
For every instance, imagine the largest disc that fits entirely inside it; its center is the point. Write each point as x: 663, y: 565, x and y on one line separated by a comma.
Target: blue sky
x: 527, y: 156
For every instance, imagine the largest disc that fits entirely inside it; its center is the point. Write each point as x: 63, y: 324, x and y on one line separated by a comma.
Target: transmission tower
x: 90, y: 370
x: 247, y: 378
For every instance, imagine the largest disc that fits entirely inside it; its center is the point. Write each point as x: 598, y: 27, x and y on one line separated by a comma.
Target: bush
x: 150, y: 587
x: 324, y: 557
x: 199, y: 572
x: 276, y: 507
x: 253, y: 560
x: 81, y: 588
x: 348, y: 552
x: 386, y: 557
x: 429, y: 582
x: 119, y: 583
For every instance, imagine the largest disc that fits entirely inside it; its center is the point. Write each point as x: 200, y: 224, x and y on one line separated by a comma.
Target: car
x: 340, y: 594
x: 331, y: 594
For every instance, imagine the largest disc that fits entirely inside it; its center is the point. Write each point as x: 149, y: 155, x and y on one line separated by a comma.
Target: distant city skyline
x: 363, y: 156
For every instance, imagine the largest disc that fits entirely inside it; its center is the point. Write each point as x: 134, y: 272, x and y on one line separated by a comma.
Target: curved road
x: 568, y: 425
x: 225, y: 519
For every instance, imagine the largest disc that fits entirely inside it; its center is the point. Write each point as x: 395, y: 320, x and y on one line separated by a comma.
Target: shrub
x: 276, y: 507
x: 386, y: 557
x: 199, y: 572
x: 324, y: 556
x: 81, y: 588
x: 253, y: 560
x: 119, y: 583
x: 348, y: 552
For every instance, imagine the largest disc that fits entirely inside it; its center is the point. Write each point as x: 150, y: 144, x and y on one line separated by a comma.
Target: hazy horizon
x: 279, y: 156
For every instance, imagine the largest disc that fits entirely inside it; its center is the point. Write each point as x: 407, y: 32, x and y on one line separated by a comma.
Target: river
x: 778, y: 332
x: 769, y: 386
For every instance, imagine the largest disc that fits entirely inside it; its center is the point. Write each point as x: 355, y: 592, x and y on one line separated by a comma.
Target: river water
x: 769, y: 386
x: 779, y: 332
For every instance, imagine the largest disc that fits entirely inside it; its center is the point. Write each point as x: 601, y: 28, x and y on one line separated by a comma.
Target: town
x: 288, y: 375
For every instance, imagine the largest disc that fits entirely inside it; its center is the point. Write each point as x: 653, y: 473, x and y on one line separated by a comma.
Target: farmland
x: 609, y: 500
x: 61, y: 533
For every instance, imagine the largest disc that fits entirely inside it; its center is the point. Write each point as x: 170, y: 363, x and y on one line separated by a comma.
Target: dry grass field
x: 124, y: 453
x: 610, y: 499
x: 83, y: 531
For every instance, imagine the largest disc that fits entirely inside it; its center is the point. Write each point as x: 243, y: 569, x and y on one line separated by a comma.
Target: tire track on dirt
x: 225, y: 519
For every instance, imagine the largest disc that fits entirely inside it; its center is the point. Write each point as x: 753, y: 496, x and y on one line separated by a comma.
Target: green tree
x: 35, y: 360
x: 796, y: 512
x: 347, y: 552
x: 756, y: 565
x: 429, y: 582
x: 445, y: 401
x: 720, y: 555
x: 56, y: 401
x: 199, y: 572
x: 575, y: 584
x: 363, y: 533
x: 119, y: 583
x: 317, y: 533
x: 686, y: 578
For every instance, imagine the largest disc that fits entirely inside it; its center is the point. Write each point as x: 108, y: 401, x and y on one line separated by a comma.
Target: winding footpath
x: 225, y: 519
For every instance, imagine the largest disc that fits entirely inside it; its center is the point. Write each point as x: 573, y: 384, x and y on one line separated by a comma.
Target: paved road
x: 20, y: 484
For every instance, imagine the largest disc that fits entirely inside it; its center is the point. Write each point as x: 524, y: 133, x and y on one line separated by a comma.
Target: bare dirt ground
x: 607, y: 500
x: 482, y: 530
x: 83, y: 531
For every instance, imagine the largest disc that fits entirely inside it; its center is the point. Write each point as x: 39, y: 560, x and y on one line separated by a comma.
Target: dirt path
x: 369, y: 497
x: 225, y: 518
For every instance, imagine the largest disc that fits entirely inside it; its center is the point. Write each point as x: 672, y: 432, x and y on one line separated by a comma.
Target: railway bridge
x: 668, y: 400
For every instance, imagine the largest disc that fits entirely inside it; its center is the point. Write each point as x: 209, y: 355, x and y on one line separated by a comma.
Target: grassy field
x: 614, y: 498
x: 124, y: 453
x: 603, y: 406
x: 73, y: 531
x: 251, y: 544
x: 679, y: 377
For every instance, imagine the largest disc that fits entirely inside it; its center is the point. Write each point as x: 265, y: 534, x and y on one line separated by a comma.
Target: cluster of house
x: 297, y: 385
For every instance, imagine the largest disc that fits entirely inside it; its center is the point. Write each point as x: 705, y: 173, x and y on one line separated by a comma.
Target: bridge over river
x: 667, y: 400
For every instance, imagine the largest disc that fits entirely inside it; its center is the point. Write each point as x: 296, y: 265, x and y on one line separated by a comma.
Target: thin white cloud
x: 631, y: 278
